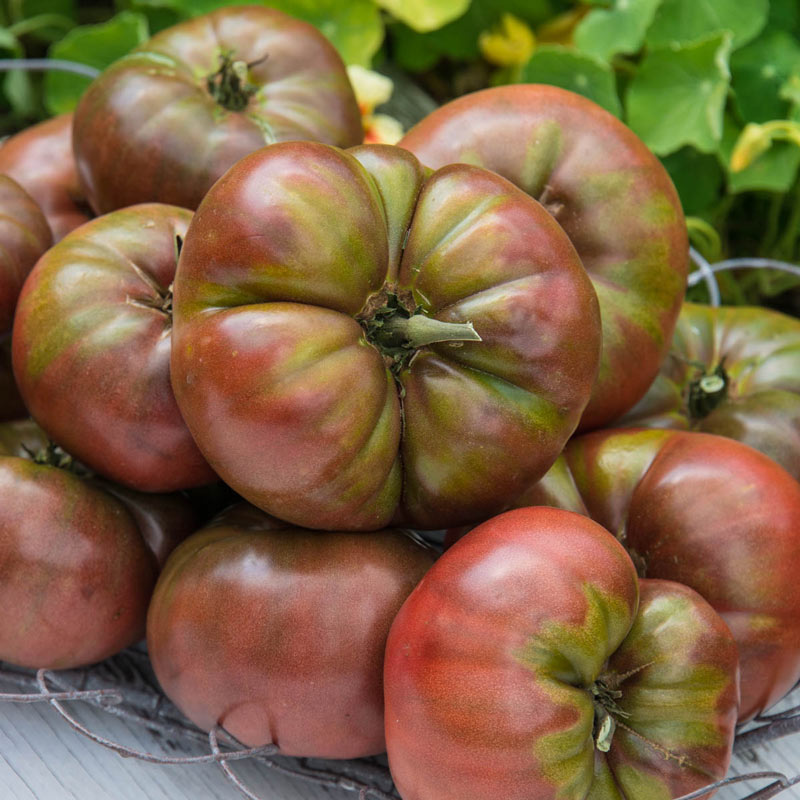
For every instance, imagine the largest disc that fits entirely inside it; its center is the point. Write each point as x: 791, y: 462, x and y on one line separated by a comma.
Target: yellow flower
x: 510, y: 44
x: 371, y: 90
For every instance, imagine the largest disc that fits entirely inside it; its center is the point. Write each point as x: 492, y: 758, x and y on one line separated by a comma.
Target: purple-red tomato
x: 40, y: 159
x: 705, y: 511
x: 24, y: 236
x: 91, y: 349
x: 526, y: 665
x: 164, y: 122
x: 79, y: 557
x: 358, y: 340
x: 277, y: 634
x: 732, y: 371
x: 610, y: 194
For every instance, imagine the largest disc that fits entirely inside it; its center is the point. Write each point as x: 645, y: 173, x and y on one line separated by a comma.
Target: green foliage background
x: 685, y: 75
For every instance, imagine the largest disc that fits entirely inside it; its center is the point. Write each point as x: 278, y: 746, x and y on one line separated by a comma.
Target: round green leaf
x: 682, y: 21
x: 759, y: 70
x: 678, y: 96
x: 698, y: 177
x: 96, y: 45
x: 621, y: 29
x: 578, y: 72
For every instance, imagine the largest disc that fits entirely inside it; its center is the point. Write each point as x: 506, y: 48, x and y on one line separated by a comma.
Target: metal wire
x: 48, y: 65
x: 707, y: 272
x: 125, y: 686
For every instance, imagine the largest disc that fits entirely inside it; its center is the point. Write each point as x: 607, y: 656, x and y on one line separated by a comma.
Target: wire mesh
x: 125, y: 686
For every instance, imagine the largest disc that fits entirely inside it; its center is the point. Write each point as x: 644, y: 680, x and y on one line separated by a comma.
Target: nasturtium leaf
x: 578, y: 72
x: 678, y: 95
x: 32, y: 8
x: 775, y: 170
x: 604, y: 32
x: 682, y: 21
x: 759, y: 70
x: 425, y: 15
x: 698, y: 177
x: 96, y: 45
x: 785, y: 14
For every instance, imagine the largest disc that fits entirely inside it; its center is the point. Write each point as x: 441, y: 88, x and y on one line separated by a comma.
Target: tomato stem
x: 229, y: 85
x: 418, y: 331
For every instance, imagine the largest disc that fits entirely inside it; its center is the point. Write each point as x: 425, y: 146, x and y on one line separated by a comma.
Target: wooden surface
x: 43, y: 758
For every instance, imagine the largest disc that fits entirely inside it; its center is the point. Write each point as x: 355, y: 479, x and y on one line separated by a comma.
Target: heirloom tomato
x: 91, y: 349
x: 277, y: 634
x: 358, y: 340
x: 610, y: 194
x: 707, y: 512
x: 734, y: 372
x: 164, y: 122
x: 40, y: 159
x: 527, y: 665
x: 79, y: 557
x: 25, y: 235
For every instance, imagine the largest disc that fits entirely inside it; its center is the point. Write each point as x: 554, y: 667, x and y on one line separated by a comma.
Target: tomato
x: 708, y: 512
x: 25, y: 235
x: 609, y: 193
x: 164, y: 122
x: 40, y: 160
x: 91, y: 349
x: 526, y: 666
x: 79, y: 557
x: 277, y: 634
x: 323, y: 296
x: 733, y: 372
x: 11, y: 405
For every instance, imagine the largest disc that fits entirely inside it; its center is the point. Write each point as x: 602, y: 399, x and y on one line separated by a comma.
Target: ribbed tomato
x: 164, y: 122
x: 610, y: 194
x: 91, y: 349
x: 529, y: 665
x: 358, y: 340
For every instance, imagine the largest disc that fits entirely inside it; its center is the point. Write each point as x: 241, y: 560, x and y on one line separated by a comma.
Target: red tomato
x: 91, y: 349
x: 277, y: 633
x: 610, y: 194
x: 524, y: 666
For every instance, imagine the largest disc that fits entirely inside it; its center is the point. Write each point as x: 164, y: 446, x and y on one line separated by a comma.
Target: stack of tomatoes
x: 363, y: 341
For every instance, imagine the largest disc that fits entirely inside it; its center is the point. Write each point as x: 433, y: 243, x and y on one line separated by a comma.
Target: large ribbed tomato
x: 527, y: 666
x: 734, y: 372
x: 91, y: 349
x: 277, y: 634
x: 79, y: 557
x: 164, y: 122
x: 610, y: 194
x: 40, y: 159
x: 710, y: 513
x: 356, y: 338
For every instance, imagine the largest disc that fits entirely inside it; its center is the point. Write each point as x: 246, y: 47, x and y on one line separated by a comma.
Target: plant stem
x: 418, y: 331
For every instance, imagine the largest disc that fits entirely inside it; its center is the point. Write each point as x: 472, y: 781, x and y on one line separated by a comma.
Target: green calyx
x: 230, y: 85
x: 398, y: 331
x: 606, y: 712
x: 707, y: 391
x: 53, y: 456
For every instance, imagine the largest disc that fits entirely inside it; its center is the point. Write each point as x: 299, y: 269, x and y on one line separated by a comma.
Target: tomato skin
x: 277, y: 633
x: 759, y: 350
x: 149, y: 130
x: 79, y: 556
x: 708, y: 512
x: 272, y: 365
x: 490, y: 663
x: 40, y: 159
x: 91, y: 349
x: 610, y: 194
x: 25, y: 235
x: 76, y: 570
